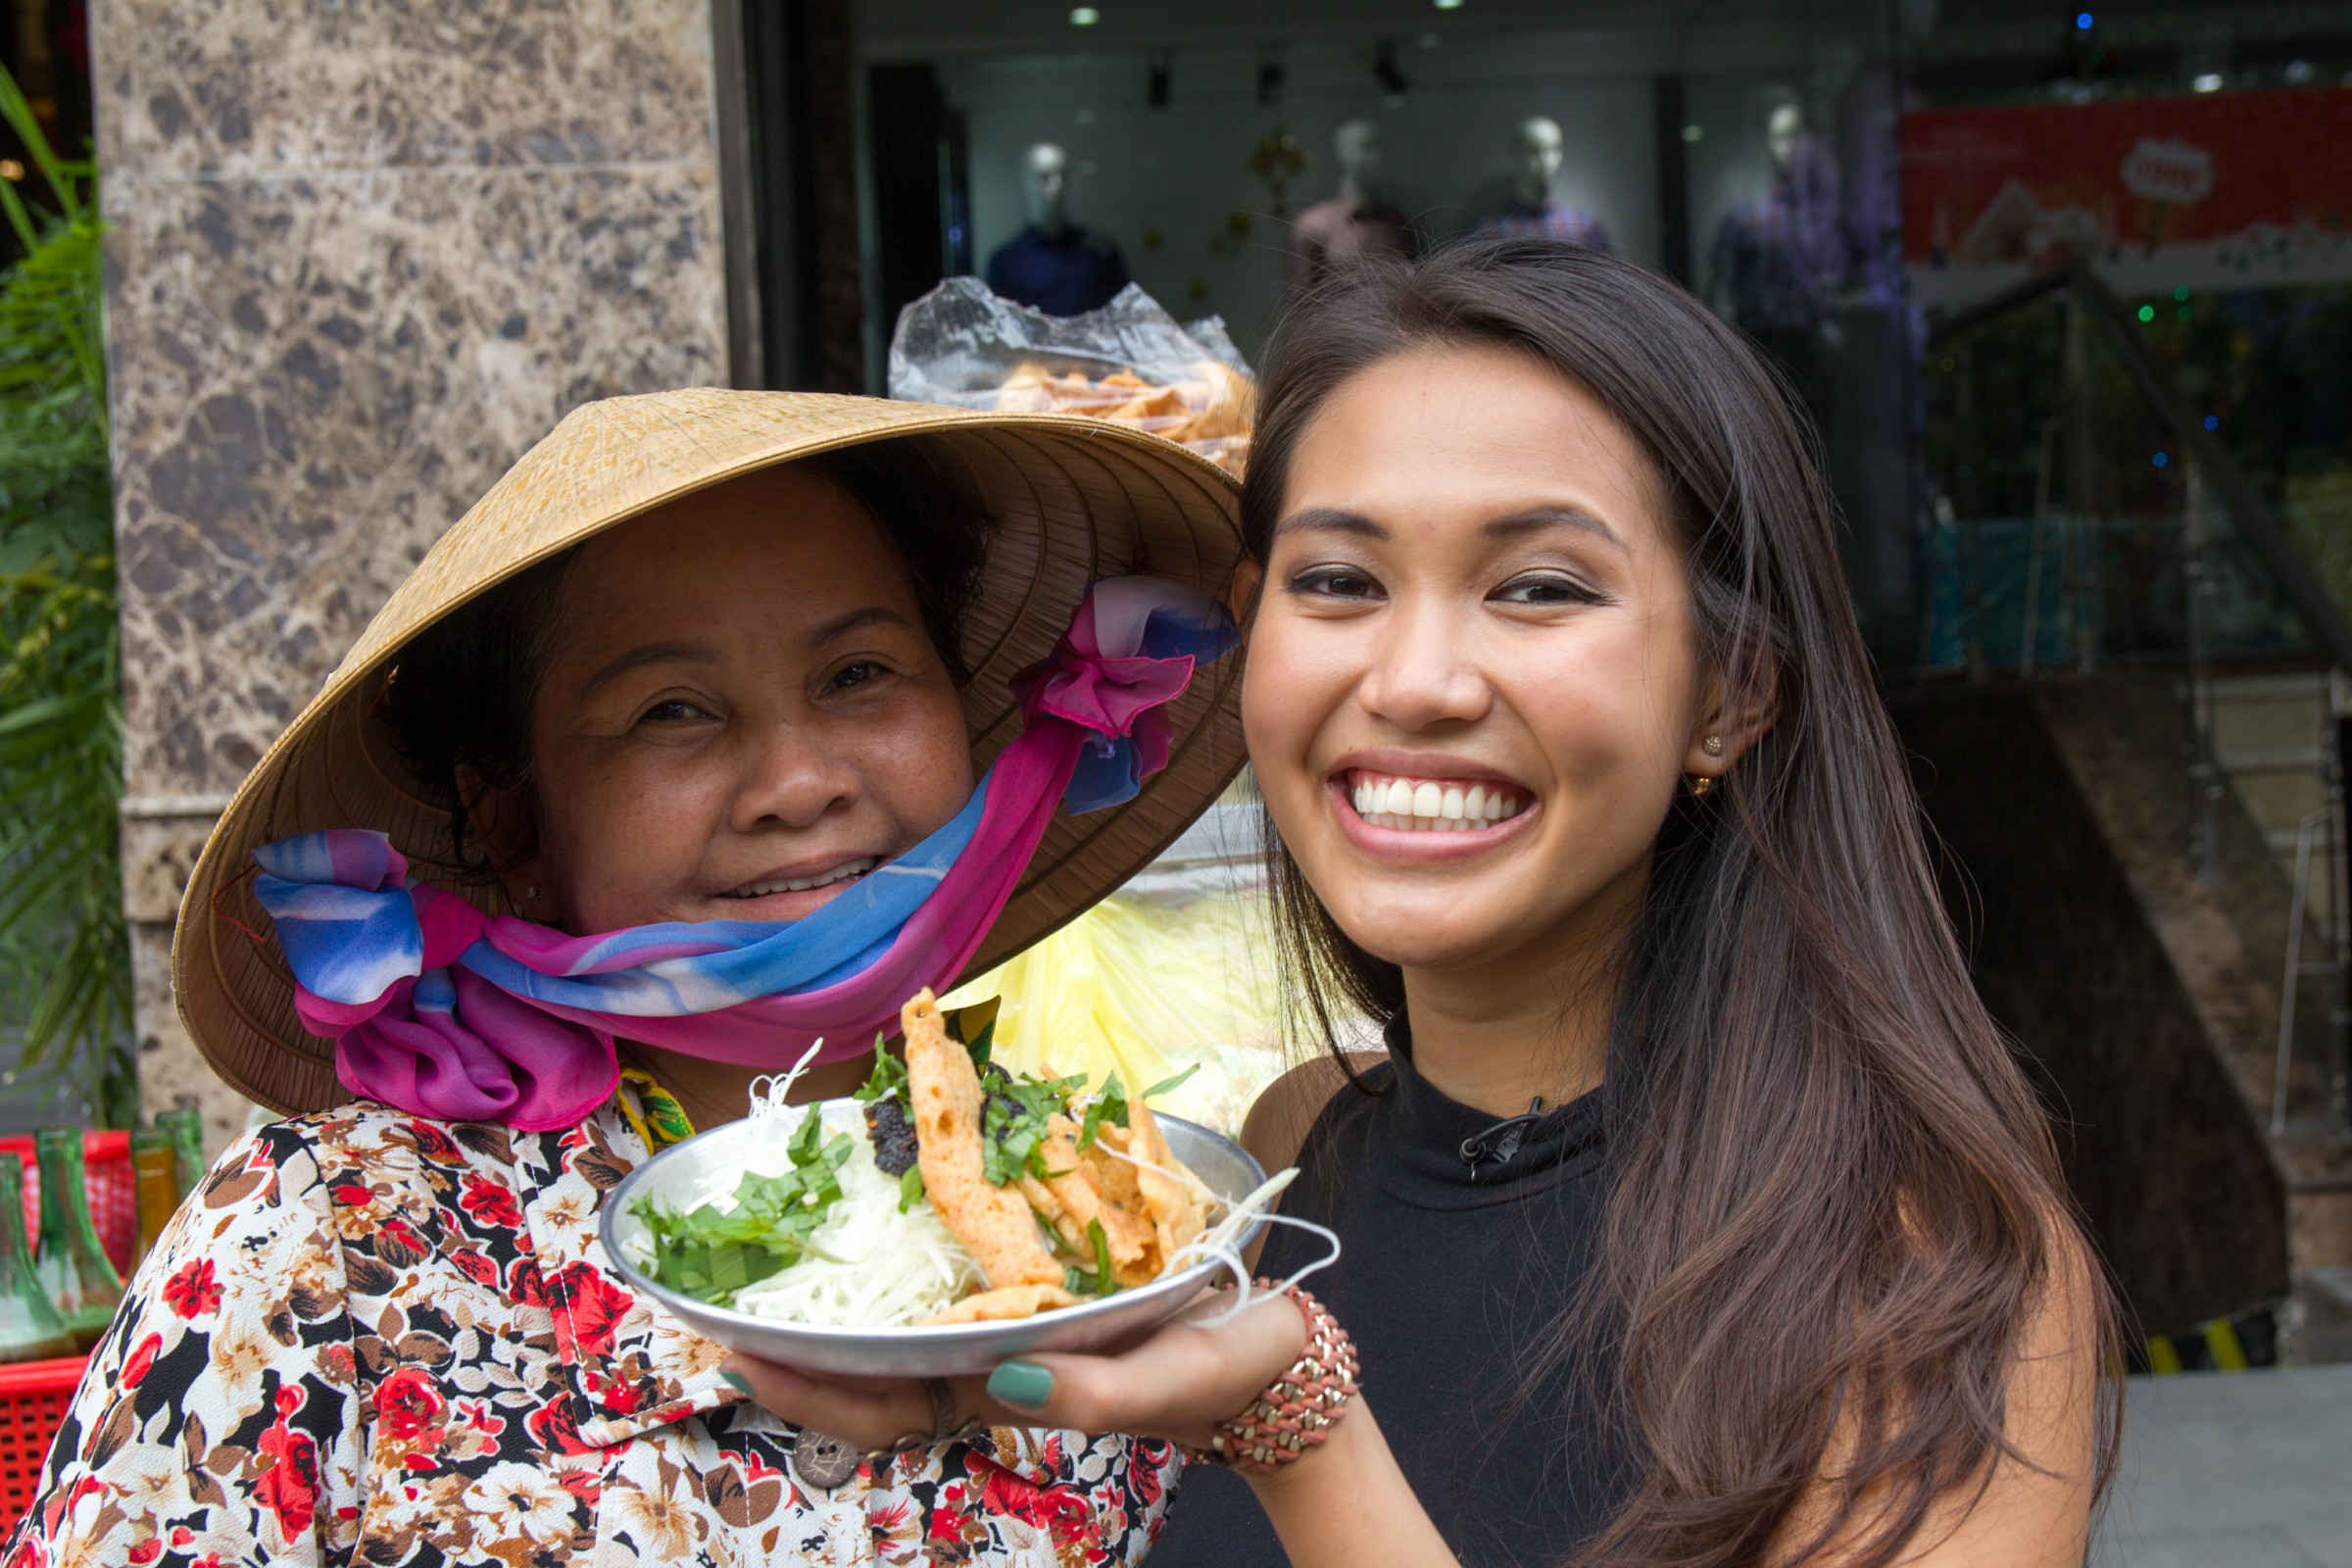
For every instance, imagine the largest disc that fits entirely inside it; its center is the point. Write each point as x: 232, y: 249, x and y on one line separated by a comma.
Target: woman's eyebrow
x: 839, y: 626
x: 1329, y: 519
x: 651, y: 653
x: 1536, y: 518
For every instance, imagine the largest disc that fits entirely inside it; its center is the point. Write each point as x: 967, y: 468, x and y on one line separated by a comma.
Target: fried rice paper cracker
x: 1004, y: 1305
x: 993, y: 1222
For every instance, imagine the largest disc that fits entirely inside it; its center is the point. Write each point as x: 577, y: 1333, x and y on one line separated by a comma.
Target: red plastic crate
x: 34, y: 1397
x: 108, y: 1179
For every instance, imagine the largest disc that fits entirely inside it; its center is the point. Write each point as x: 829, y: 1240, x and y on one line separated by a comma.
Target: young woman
x: 678, y: 731
x: 1698, y: 1213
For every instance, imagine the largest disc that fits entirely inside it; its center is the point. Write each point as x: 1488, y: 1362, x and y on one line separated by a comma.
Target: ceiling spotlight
x: 2209, y: 82
x: 1085, y: 16
x: 1385, y: 72
x: 1447, y: 5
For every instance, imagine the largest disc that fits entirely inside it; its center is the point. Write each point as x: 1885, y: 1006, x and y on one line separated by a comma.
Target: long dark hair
x: 1835, y: 1201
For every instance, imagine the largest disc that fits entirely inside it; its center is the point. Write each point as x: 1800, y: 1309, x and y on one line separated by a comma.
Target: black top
x: 1453, y: 1270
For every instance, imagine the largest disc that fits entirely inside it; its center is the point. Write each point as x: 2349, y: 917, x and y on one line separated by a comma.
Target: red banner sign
x: 2214, y: 191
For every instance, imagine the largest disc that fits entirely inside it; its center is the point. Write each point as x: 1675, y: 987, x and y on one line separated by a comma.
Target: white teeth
x: 839, y: 873
x: 1427, y: 806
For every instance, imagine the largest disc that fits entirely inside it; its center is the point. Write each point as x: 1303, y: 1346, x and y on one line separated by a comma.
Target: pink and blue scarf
x: 439, y: 1008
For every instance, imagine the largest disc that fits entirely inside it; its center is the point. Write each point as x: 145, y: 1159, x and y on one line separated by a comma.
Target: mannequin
x: 1777, y: 257
x: 1536, y: 147
x: 1053, y: 265
x: 1354, y: 222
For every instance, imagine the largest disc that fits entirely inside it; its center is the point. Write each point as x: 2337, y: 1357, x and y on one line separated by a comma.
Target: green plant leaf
x: 65, y: 967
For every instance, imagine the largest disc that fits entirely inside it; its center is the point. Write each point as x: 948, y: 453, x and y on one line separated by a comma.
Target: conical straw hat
x: 1071, y: 499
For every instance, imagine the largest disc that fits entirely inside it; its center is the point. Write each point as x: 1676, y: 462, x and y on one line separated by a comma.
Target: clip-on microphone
x: 1501, y: 1140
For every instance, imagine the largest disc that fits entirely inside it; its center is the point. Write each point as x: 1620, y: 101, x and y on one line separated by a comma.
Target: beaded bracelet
x: 1298, y: 1411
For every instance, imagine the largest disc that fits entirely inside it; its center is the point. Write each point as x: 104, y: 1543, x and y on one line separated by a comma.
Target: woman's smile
x: 789, y: 892
x: 1427, y: 811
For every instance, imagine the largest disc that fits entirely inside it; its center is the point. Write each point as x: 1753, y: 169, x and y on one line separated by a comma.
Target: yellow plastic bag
x: 1146, y: 987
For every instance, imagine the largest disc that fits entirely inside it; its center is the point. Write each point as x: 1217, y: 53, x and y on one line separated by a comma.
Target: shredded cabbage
x: 872, y: 1265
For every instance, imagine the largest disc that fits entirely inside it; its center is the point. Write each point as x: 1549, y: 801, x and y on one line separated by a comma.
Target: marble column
x: 360, y: 257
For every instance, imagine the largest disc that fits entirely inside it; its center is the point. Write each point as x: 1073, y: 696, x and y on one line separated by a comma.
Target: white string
x: 770, y: 1094
x: 1217, y: 1243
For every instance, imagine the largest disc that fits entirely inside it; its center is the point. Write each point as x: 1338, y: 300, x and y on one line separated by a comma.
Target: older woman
x: 660, y: 767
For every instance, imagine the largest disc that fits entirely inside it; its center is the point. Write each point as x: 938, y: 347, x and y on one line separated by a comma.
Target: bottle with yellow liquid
x: 155, y: 1168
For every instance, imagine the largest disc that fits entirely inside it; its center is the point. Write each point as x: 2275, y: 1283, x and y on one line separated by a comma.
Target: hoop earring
x: 1700, y: 784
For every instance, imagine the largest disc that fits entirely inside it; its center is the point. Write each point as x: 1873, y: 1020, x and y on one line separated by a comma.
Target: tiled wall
x: 362, y: 255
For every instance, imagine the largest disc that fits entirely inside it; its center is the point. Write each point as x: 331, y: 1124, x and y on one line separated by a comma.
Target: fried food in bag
x: 1130, y: 361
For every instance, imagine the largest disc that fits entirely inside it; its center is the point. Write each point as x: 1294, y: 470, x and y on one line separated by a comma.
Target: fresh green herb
x: 709, y: 1253
x: 889, y: 1077
x: 1109, y: 1105
x: 1015, y: 1119
x: 910, y: 1188
x: 1166, y: 1084
x: 1077, y: 1281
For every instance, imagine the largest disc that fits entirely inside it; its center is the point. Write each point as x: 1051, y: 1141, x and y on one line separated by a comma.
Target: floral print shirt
x: 376, y: 1339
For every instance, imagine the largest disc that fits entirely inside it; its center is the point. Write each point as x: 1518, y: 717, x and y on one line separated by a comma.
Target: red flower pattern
x: 491, y: 1203
x: 408, y: 1404
x: 192, y: 1290
x: 320, y: 1328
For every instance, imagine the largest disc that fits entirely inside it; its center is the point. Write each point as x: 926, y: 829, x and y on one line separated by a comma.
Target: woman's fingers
x: 867, y: 1414
x: 1177, y: 1383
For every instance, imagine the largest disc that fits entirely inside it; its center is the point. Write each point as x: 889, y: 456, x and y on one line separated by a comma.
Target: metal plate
x: 685, y: 1174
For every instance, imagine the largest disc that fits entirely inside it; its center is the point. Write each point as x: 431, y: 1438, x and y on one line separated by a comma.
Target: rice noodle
x: 878, y: 1268
x: 871, y: 1266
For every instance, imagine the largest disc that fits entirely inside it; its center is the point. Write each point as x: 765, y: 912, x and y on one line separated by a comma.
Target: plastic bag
x: 1130, y: 360
x: 1146, y: 987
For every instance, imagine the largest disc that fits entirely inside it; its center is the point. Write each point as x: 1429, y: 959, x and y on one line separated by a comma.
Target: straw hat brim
x: 1070, y: 499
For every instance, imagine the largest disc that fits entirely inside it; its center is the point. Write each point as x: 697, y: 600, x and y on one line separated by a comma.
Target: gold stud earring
x: 530, y: 895
x: 1700, y: 784
x: 1712, y: 746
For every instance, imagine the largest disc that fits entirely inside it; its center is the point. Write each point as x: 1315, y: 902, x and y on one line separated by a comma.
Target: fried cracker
x: 1005, y: 1304
x: 992, y: 1222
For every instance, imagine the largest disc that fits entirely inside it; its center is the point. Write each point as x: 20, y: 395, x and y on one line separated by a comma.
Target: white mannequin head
x: 1536, y: 148
x: 1044, y: 174
x: 1357, y: 147
x: 1782, y: 128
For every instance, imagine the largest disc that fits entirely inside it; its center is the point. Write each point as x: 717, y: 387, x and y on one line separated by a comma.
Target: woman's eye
x: 861, y: 673
x: 1545, y: 588
x: 1335, y: 582
x: 674, y: 711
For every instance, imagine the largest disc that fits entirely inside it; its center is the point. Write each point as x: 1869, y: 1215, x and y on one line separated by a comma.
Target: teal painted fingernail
x: 1021, y: 1383
x: 736, y: 1380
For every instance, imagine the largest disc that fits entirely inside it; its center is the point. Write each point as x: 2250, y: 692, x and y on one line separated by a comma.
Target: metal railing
x: 2102, y: 561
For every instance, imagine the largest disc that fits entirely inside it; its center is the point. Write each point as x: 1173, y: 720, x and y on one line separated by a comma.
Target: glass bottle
x: 29, y: 1327
x: 185, y: 1128
x: 72, y: 1265
x: 155, y: 1168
